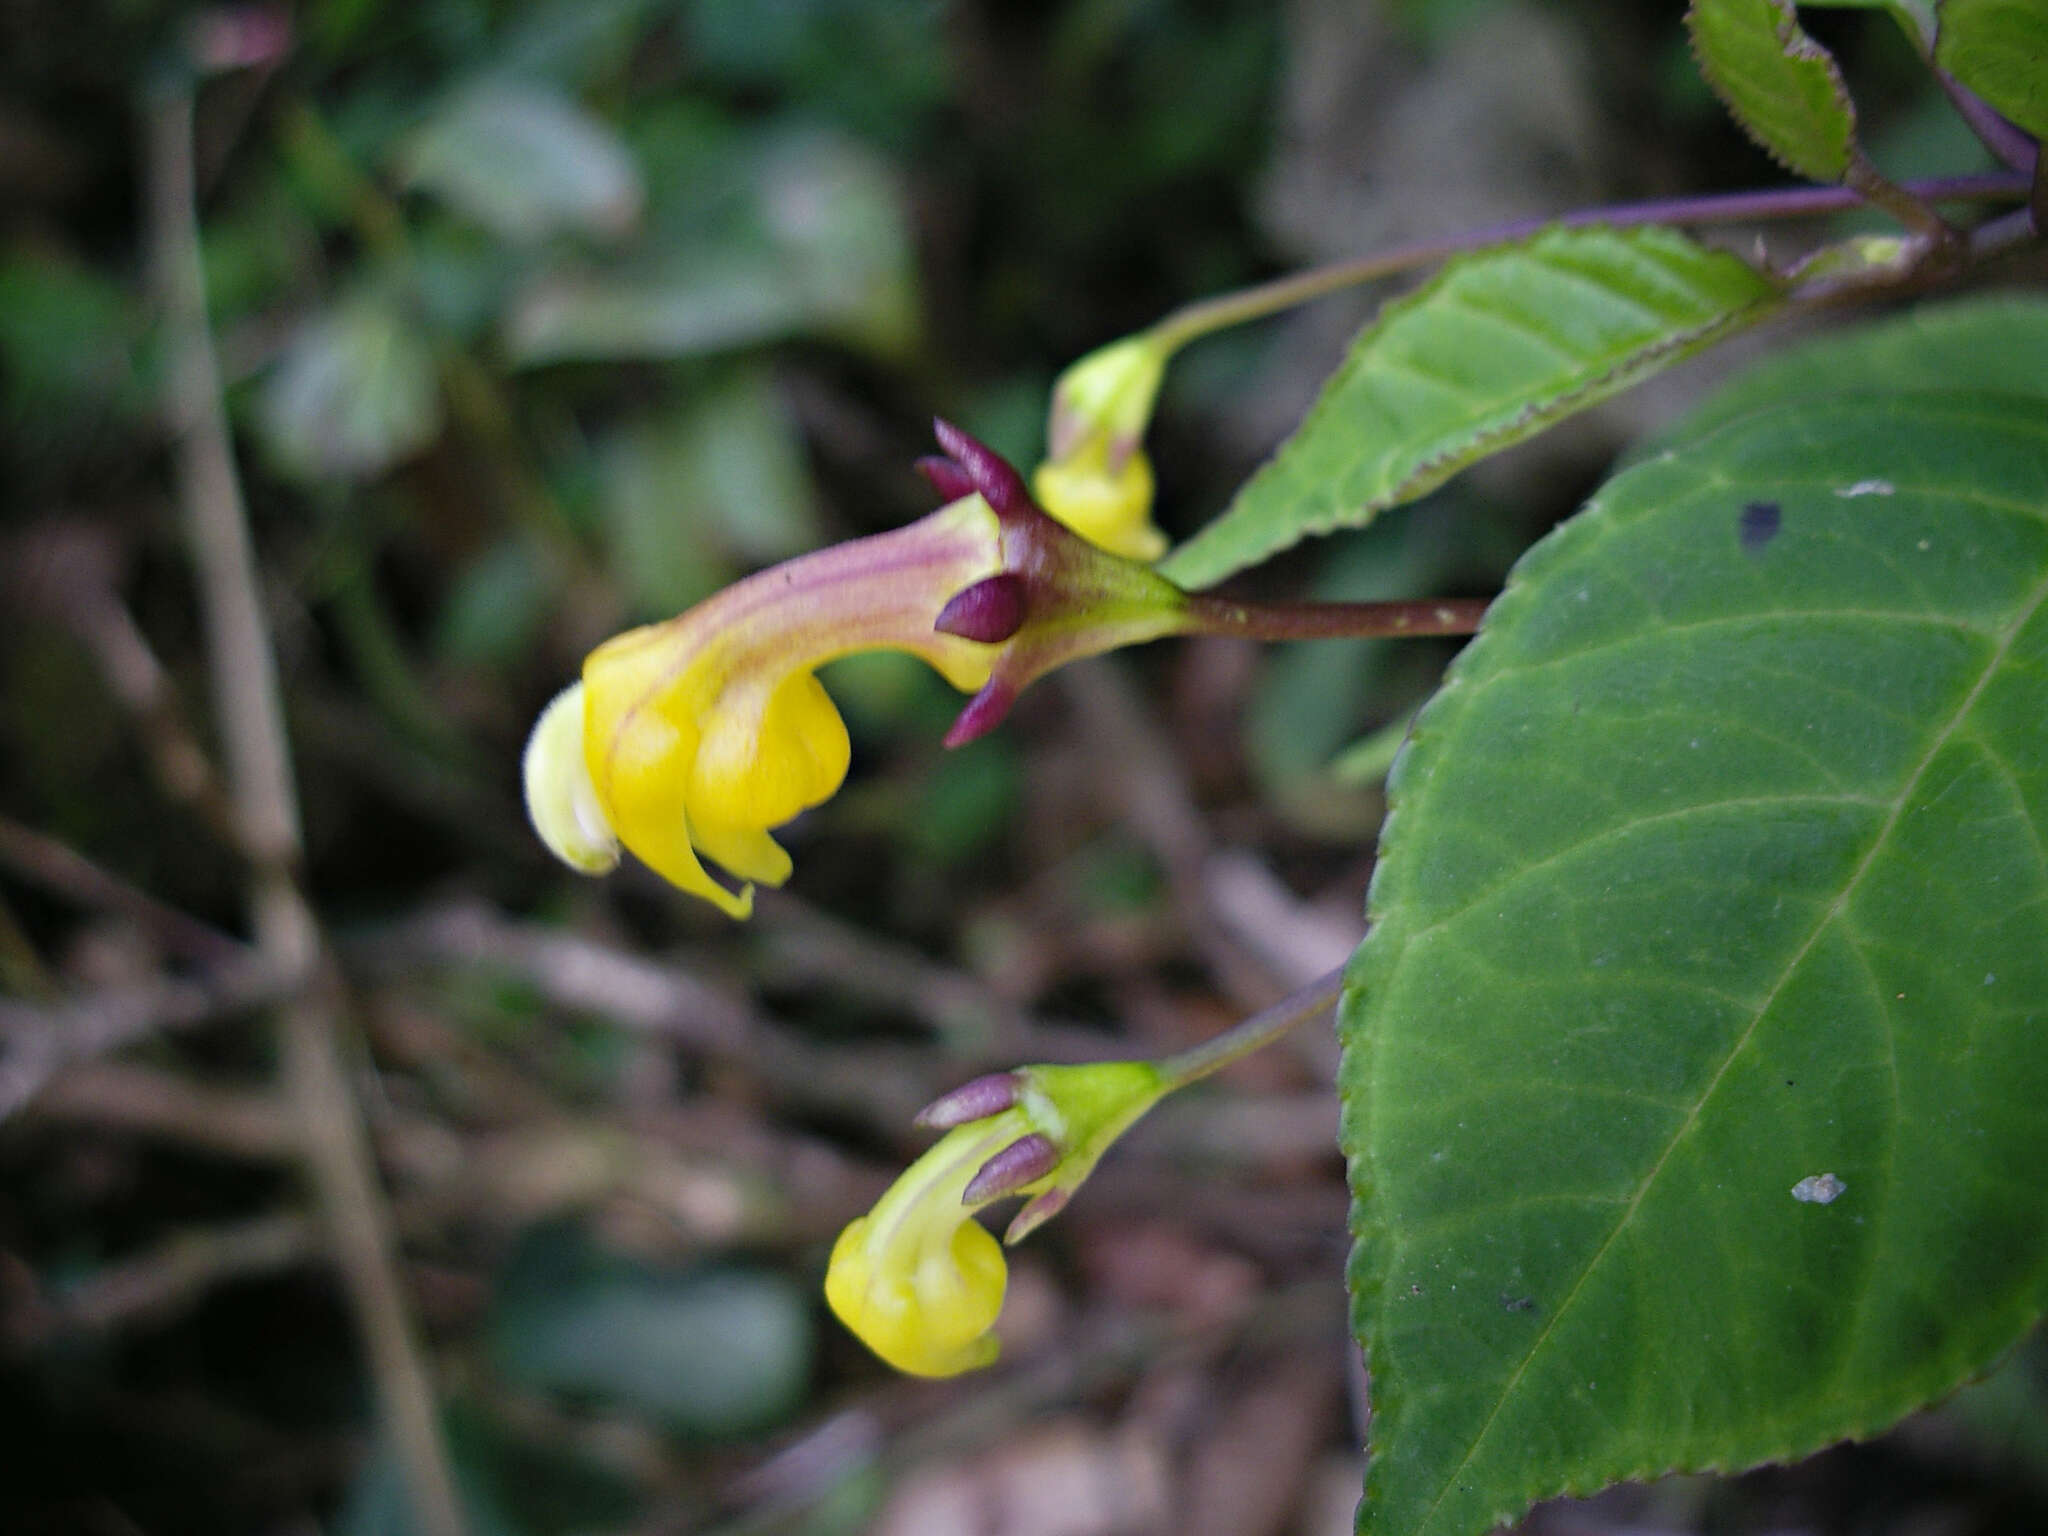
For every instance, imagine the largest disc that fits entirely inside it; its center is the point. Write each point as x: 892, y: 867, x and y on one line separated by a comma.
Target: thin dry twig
x: 1161, y: 810
x: 63, y: 871
x: 881, y: 1086
x: 37, y: 1043
x: 251, y: 721
x: 70, y: 571
x: 119, y: 1096
x: 177, y: 1273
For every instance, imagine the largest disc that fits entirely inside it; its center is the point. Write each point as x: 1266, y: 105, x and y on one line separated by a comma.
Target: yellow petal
x: 561, y: 801
x: 925, y: 1309
x: 1111, y: 510
x: 759, y: 766
x: 748, y: 852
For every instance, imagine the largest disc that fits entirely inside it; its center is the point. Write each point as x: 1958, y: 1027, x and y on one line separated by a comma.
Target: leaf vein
x: 1792, y: 965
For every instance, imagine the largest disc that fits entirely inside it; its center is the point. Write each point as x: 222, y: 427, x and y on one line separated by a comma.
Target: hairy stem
x: 1333, y: 621
x: 1255, y: 1033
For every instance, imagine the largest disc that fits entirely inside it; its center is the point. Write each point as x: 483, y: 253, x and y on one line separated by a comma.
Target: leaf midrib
x: 1827, y: 919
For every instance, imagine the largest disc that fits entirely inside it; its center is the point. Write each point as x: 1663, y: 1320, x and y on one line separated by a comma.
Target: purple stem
x: 2015, y: 147
x: 1206, y: 315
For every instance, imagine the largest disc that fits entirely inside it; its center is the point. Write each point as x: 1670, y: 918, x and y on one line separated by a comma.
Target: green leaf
x: 355, y: 391
x: 714, y: 1352
x: 693, y: 494
x: 826, y: 251
x: 1994, y: 342
x: 525, y: 162
x: 1718, y: 867
x: 1493, y: 349
x: 1999, y: 49
x: 1781, y: 86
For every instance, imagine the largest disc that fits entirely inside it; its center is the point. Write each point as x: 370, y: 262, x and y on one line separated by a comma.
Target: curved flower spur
x: 696, y: 736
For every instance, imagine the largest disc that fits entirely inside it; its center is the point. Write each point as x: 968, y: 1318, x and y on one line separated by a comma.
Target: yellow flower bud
x: 1096, y: 478
x: 1111, y: 509
x: 918, y: 1279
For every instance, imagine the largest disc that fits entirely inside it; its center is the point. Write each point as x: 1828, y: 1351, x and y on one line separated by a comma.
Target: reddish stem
x: 1212, y: 615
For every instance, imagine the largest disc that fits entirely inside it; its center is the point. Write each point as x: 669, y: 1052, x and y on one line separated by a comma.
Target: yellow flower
x: 1096, y: 478
x: 695, y: 737
x: 918, y: 1279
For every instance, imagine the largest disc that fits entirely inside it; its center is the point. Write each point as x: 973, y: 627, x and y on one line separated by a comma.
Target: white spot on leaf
x: 1865, y: 488
x: 1818, y: 1189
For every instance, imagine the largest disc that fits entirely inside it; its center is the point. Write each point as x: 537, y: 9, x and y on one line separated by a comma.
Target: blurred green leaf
x: 1496, y: 347
x: 258, y: 250
x: 509, y: 1485
x: 573, y: 43
x: 966, y: 801
x: 524, y: 162
x: 879, y: 67
x: 496, y: 607
x: 713, y: 1352
x: 379, y: 1503
x: 1999, y: 49
x: 1368, y: 759
x: 825, y: 250
x: 2005, y: 1416
x: 1310, y: 698
x: 1780, y: 85
x: 354, y: 392
x: 67, y: 337
x: 714, y: 485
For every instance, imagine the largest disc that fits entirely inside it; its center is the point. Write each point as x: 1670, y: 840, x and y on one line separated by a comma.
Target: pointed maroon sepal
x: 989, y: 472
x: 991, y: 610
x: 1024, y: 1161
x: 1036, y: 1212
x: 984, y: 712
x: 975, y: 1100
x: 945, y: 477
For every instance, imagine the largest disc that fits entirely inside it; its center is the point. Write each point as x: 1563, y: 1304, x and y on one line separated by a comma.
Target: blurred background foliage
x: 542, y: 319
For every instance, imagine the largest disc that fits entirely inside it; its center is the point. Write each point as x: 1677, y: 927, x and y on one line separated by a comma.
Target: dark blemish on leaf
x: 1517, y: 1303
x: 1759, y: 525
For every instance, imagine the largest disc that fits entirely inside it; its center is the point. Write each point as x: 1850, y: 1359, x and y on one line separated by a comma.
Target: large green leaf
x: 1999, y: 49
x: 1715, y: 882
x: 1782, y: 86
x: 1492, y: 350
x: 1993, y: 342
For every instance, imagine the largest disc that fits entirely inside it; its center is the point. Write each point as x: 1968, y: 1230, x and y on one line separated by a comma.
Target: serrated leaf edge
x: 1799, y: 46
x: 1430, y: 473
